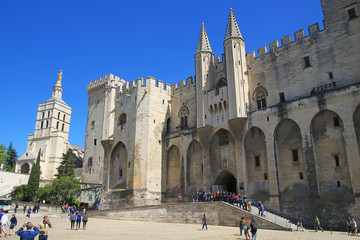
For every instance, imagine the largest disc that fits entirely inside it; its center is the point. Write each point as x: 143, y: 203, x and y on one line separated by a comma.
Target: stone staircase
x: 286, y: 223
x: 218, y: 213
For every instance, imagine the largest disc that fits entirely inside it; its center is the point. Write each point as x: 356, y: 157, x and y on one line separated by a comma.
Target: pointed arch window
x: 260, y: 97
x: 183, y: 114
x: 122, y: 121
x: 220, y: 84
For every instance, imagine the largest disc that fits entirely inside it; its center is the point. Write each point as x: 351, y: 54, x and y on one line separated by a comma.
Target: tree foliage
x: 19, y: 192
x: 12, y: 157
x: 3, y: 155
x: 34, y: 180
x: 64, y: 189
x: 67, y: 166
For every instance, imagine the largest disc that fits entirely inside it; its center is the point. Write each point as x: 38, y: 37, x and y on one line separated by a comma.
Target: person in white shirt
x: 4, y: 222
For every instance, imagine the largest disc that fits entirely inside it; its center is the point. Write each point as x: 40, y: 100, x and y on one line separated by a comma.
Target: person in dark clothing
x: 72, y: 220
x: 253, y: 229
x: 13, y: 223
x: 204, y: 222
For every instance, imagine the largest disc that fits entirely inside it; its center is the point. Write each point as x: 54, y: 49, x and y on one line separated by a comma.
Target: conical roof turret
x: 232, y: 29
x: 203, y: 44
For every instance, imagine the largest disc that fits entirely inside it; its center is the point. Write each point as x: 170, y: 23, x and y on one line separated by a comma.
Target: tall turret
x: 204, y: 60
x: 235, y: 61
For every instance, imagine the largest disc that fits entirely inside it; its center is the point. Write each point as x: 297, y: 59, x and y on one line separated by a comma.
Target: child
x: 13, y: 223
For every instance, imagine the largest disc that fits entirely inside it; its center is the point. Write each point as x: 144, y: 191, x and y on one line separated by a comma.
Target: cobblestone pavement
x: 115, y: 229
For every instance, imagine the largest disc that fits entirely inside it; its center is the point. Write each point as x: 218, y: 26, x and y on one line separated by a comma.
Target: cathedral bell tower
x: 235, y: 61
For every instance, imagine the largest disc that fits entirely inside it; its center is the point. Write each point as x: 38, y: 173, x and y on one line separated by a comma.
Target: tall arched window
x: 64, y: 117
x: 183, y: 114
x: 221, y: 83
x: 260, y: 97
x: 59, y: 115
x: 122, y: 121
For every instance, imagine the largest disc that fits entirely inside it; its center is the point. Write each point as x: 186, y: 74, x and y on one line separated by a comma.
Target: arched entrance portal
x: 226, y: 182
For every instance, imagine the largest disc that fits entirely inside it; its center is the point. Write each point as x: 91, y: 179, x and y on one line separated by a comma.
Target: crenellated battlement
x: 275, y: 50
x: 183, y: 85
x: 129, y: 87
x: 100, y: 84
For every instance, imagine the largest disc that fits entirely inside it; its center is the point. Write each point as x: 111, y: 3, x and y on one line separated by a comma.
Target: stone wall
x: 217, y: 213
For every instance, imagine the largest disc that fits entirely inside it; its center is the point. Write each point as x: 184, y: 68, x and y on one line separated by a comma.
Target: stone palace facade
x: 281, y: 126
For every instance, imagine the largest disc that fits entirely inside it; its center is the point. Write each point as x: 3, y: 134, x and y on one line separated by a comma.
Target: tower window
x: 352, y: 13
x: 331, y: 76
x: 337, y: 160
x: 120, y: 173
x: 64, y: 117
x: 47, y: 124
x: 129, y: 164
x: 265, y: 176
x: 42, y: 123
x: 95, y: 142
x: 301, y: 175
x: 59, y: 115
x: 48, y: 114
x: 57, y: 125
x: 43, y: 114
x: 223, y: 139
x: 336, y: 122
x: 90, y: 161
x: 183, y: 114
x: 122, y: 121
x: 63, y: 126
x: 257, y: 161
x: 282, y: 97
x: 295, y: 155
x: 338, y: 183
x: 260, y: 97
x: 307, y: 62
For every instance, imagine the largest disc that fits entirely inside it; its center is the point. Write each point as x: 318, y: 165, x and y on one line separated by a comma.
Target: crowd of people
x: 229, y: 197
x: 246, y: 226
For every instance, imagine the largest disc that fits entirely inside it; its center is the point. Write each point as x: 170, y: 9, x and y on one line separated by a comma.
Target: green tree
x: 3, y: 155
x: 67, y: 166
x: 11, y: 160
x: 34, y: 180
x: 19, y: 192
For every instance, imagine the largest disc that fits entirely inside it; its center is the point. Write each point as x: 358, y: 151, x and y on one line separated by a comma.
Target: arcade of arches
x: 243, y: 167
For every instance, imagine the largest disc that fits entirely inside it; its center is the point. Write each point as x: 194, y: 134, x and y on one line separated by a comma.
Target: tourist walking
x: 299, y: 224
x: 317, y: 224
x: 28, y: 212
x: 44, y: 228
x: 246, y: 230
x: 72, y: 220
x: 85, y: 220
x: 354, y: 229
x: 241, y: 224
x: 28, y: 234
x: 78, y: 220
x: 4, y: 222
x: 13, y: 223
x: 204, y: 222
x: 253, y: 229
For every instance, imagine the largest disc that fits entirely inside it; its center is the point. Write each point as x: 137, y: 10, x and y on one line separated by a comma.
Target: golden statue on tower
x: 59, y: 77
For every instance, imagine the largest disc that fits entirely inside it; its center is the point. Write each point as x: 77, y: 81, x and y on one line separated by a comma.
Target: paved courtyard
x: 115, y: 229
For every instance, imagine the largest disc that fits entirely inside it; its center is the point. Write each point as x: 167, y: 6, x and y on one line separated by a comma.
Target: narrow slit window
x: 282, y: 97
x: 338, y: 184
x: 265, y: 176
x: 307, y: 62
x: 257, y: 161
x: 301, y: 175
x: 336, y: 122
x: 63, y: 127
x: 337, y: 161
x: 331, y: 76
x: 295, y: 155
x: 95, y: 142
x: 57, y: 125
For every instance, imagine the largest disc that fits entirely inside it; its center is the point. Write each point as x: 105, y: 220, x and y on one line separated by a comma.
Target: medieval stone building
x: 281, y: 126
x: 50, y: 137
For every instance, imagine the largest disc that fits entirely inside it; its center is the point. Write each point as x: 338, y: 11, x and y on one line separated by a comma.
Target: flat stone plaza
x: 98, y: 228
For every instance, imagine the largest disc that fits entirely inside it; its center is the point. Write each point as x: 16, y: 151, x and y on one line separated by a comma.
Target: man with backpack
x: 253, y: 229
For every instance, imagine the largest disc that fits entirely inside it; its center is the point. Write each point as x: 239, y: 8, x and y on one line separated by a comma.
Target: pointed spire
x: 203, y: 44
x: 232, y: 29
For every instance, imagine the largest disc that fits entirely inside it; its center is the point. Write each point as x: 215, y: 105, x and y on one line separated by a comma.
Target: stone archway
x: 194, y: 167
x: 118, y: 167
x: 173, y: 180
x: 226, y: 181
x: 25, y: 168
x: 256, y: 165
x: 331, y: 159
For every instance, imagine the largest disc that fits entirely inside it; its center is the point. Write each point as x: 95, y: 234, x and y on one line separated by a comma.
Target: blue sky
x: 131, y: 39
